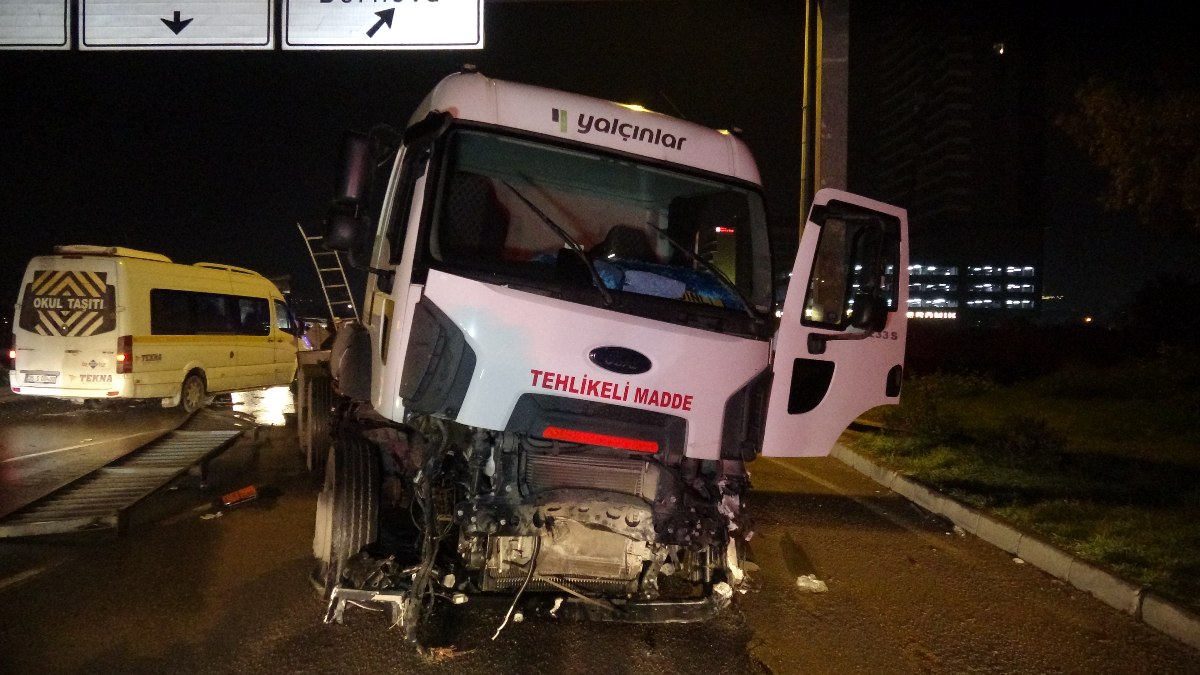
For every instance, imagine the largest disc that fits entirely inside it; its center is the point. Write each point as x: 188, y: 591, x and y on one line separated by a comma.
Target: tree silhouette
x: 1145, y: 133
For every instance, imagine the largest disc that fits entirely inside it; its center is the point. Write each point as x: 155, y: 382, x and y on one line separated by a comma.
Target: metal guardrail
x: 102, y: 498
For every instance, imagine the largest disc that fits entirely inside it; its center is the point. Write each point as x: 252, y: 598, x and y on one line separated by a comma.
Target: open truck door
x: 839, y: 350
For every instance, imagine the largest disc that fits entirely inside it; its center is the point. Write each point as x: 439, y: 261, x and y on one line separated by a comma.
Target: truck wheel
x: 315, y: 424
x: 347, y: 509
x: 303, y: 411
x: 192, y: 394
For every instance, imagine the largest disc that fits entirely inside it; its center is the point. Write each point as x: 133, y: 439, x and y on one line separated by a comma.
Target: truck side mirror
x: 357, y: 168
x: 345, y: 228
x: 344, y: 231
x: 869, y: 260
x: 870, y: 312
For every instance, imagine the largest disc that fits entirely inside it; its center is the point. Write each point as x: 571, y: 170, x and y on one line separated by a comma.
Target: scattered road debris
x: 241, y: 496
x: 811, y: 584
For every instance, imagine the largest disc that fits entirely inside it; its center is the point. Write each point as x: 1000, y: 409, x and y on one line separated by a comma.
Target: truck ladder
x: 332, y: 276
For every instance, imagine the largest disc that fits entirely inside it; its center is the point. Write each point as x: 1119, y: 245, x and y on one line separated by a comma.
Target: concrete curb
x: 1149, y: 607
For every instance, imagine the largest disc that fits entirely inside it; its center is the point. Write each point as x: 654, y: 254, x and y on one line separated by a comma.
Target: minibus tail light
x: 124, y: 354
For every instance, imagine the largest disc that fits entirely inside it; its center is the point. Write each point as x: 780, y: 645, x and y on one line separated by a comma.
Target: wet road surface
x: 47, y: 443
x: 195, y: 587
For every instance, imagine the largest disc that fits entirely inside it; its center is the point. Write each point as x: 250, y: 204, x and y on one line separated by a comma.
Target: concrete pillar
x: 833, y: 93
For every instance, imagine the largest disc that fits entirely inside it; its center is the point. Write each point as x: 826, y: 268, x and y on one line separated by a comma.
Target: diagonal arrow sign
x: 176, y: 25
x: 385, y: 17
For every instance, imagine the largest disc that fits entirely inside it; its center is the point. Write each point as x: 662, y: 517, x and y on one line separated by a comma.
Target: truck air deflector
x: 438, y: 364
x: 745, y: 414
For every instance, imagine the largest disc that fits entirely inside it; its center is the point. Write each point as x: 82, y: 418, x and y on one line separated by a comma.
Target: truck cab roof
x: 584, y: 119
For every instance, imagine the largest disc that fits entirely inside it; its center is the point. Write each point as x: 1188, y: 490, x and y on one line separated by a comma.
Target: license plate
x: 41, y: 378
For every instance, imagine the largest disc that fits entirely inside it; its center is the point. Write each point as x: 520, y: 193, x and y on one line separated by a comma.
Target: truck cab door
x: 839, y: 349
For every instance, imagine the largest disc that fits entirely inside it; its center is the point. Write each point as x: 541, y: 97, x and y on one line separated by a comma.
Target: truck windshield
x: 559, y: 217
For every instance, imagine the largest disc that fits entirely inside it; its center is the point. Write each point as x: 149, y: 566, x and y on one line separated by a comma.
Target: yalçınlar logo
x: 586, y: 124
x: 560, y: 116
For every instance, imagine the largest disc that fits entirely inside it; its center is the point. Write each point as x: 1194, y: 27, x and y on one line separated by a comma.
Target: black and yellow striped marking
x: 68, y: 303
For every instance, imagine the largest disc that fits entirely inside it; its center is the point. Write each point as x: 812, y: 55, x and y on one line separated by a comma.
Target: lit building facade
x: 945, y: 121
x: 974, y: 294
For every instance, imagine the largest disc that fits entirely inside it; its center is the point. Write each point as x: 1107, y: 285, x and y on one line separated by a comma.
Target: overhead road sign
x: 176, y: 24
x: 35, y: 24
x: 382, y: 24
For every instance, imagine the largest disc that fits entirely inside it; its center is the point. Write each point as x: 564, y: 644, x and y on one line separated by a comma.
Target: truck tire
x: 315, y: 398
x: 347, y: 509
x: 318, y: 400
x: 192, y: 394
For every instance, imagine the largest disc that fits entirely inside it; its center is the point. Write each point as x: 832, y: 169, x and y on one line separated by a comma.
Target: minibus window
x: 283, y: 318
x: 255, y: 316
x: 171, y: 313
x: 189, y: 313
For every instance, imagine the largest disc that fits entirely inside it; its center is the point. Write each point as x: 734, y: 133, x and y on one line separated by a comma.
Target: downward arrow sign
x: 176, y: 25
x: 384, y: 17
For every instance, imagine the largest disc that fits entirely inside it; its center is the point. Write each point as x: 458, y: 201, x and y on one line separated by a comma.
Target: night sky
x: 216, y: 155
x: 1095, y: 259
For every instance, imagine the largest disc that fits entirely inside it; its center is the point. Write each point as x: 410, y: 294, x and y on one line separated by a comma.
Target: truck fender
x: 350, y: 360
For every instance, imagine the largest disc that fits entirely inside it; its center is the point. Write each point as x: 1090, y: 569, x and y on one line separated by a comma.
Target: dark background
x: 216, y: 155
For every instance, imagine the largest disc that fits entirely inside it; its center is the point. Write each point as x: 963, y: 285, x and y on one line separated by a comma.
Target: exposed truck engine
x: 569, y: 354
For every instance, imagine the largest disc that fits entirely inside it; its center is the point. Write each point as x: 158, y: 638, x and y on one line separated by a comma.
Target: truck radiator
x: 554, y: 472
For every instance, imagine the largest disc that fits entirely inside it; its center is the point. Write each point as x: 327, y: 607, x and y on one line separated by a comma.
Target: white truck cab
x: 569, y: 352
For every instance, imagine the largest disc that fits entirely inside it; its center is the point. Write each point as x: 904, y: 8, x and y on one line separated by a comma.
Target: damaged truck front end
x: 567, y: 358
x: 571, y: 529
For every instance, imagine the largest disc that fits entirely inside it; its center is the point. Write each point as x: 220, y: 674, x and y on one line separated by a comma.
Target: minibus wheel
x: 192, y: 394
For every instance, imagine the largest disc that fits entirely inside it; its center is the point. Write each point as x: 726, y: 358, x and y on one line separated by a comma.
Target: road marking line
x: 877, y: 510
x: 75, y: 447
x: 27, y: 574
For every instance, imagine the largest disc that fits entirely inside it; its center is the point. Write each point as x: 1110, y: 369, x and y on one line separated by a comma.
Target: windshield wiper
x: 715, y: 271
x: 569, y: 241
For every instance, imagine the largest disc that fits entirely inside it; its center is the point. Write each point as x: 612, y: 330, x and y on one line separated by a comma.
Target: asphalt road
x: 46, y: 443
x: 194, y: 587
